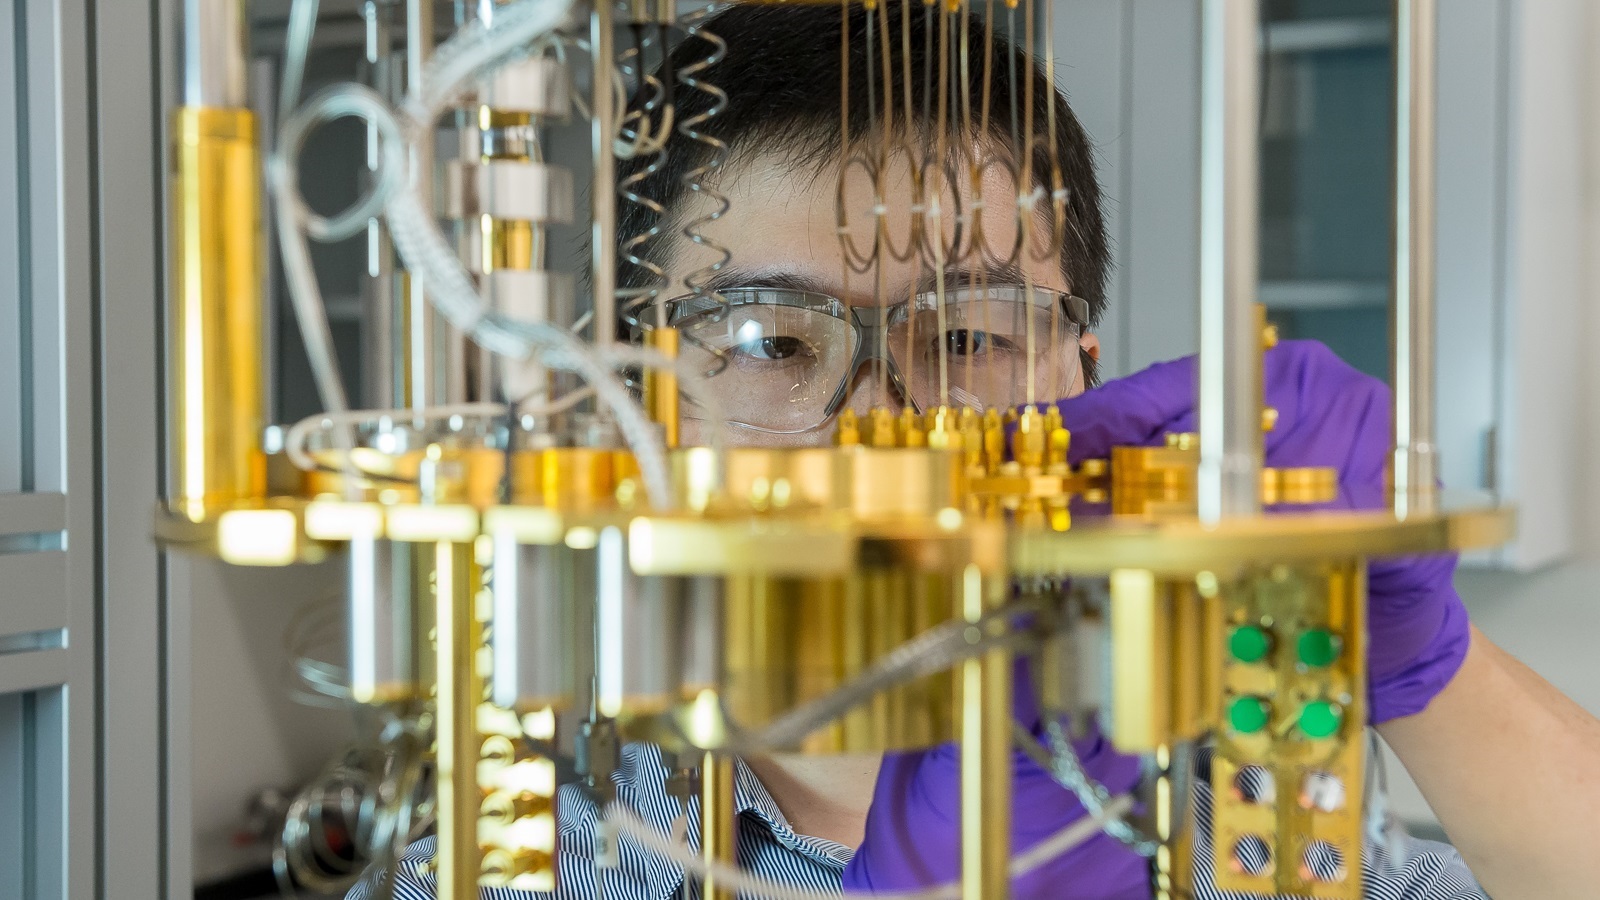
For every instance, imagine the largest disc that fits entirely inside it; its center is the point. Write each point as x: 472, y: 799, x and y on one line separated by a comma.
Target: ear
x: 1090, y: 342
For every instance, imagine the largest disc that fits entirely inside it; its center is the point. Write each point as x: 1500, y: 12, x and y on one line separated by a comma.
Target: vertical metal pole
x: 985, y: 716
x: 1230, y: 390
x: 1412, y: 319
x: 421, y: 359
x: 603, y: 271
x: 382, y: 347
x: 717, y: 820
x: 214, y: 312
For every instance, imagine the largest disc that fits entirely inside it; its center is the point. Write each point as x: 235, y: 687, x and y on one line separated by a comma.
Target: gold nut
x: 1269, y: 418
x: 1269, y: 337
x: 502, y: 864
x: 882, y: 430
x: 848, y: 431
x: 1183, y: 440
x: 499, y: 748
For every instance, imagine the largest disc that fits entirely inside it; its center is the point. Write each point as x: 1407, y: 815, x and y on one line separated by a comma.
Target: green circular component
x: 1248, y: 715
x: 1320, y: 719
x: 1249, y: 643
x: 1318, y: 648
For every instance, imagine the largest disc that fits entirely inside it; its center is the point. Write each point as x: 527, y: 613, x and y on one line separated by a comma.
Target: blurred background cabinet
x: 1513, y: 301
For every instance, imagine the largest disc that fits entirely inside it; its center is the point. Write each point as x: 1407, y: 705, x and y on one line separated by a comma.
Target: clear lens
x: 782, y: 357
x: 988, y: 338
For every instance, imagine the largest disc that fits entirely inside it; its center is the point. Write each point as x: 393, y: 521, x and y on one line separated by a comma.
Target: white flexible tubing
x: 629, y: 823
x: 294, y: 442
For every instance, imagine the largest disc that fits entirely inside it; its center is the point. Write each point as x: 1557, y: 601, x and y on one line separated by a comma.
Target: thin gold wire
x: 942, y: 153
x: 1024, y: 193
x: 881, y: 288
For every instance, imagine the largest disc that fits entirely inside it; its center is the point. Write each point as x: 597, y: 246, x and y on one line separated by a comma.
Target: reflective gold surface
x: 457, y: 636
x: 214, y: 313
x: 718, y: 820
x: 1181, y: 548
x: 985, y: 716
x: 787, y: 642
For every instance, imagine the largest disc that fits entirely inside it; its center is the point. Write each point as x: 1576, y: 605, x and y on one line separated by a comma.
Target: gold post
x: 717, y: 820
x: 1171, y: 870
x: 661, y: 385
x: 985, y: 753
x: 456, y: 736
x: 1141, y: 661
x: 215, y: 314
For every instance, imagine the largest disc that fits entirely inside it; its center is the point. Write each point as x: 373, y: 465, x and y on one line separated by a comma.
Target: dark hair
x: 781, y: 72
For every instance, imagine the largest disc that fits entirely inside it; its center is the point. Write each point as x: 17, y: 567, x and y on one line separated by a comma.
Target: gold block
x: 1141, y: 662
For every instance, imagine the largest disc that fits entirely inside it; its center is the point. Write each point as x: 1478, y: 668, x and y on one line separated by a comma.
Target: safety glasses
x: 784, y: 359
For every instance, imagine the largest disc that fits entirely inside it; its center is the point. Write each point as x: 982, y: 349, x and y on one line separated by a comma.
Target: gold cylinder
x: 985, y: 753
x: 718, y: 817
x: 215, y: 313
x: 661, y: 385
x: 457, y: 637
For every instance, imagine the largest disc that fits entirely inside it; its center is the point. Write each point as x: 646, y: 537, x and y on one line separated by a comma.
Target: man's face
x: 782, y: 231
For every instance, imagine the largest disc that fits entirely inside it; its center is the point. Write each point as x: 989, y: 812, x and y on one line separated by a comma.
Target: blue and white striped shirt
x: 769, y: 847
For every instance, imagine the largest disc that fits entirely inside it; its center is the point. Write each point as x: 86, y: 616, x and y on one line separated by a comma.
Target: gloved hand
x: 1329, y: 414
x: 913, y: 834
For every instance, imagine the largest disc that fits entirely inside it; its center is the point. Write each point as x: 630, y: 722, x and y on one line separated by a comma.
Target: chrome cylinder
x: 1230, y: 382
x: 1412, y: 327
x: 383, y: 628
x: 638, y: 628
x: 533, y: 635
x: 603, y: 266
x: 214, y: 59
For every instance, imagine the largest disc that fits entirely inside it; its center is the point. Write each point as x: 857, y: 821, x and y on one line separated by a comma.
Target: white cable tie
x: 1031, y: 198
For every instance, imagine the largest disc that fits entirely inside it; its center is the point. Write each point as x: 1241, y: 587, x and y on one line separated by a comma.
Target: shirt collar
x: 751, y: 798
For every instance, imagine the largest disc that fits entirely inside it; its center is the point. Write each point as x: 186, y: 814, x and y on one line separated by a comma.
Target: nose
x: 871, y: 388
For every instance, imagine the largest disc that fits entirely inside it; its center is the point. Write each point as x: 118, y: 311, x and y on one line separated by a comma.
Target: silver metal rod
x: 214, y: 59
x: 423, y: 357
x: 1412, y: 318
x: 603, y: 240
x: 1230, y: 389
x: 382, y: 341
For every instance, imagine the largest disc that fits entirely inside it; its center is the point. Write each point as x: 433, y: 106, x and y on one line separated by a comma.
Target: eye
x: 968, y: 342
x: 775, y: 348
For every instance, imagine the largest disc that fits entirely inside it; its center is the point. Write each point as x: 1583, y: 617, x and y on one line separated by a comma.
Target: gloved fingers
x: 1135, y: 410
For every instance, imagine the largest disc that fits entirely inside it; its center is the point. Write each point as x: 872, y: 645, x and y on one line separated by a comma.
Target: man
x: 1499, y: 753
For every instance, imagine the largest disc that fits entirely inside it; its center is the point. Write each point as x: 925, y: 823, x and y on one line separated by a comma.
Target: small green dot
x: 1318, y: 648
x: 1248, y: 715
x: 1320, y: 719
x: 1249, y: 643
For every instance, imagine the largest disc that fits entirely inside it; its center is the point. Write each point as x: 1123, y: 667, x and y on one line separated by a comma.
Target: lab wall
x: 248, y: 733
x: 1549, y: 617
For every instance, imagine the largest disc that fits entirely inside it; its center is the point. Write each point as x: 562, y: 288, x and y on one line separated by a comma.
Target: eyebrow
x: 992, y: 271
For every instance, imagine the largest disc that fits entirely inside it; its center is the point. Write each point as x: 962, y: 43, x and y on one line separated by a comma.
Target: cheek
x: 696, y: 433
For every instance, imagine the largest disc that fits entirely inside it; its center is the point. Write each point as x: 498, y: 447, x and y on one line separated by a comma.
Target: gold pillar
x: 985, y: 713
x: 456, y: 738
x: 661, y: 385
x: 718, y: 820
x: 214, y: 315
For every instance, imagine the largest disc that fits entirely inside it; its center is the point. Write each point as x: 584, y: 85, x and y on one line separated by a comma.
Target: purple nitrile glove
x: 1331, y: 415
x: 913, y: 834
